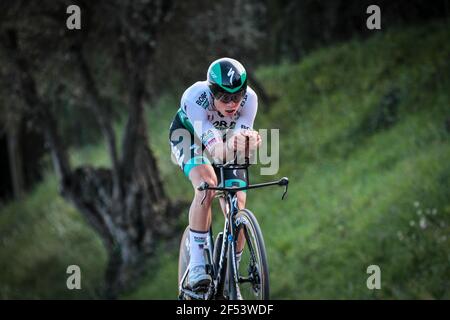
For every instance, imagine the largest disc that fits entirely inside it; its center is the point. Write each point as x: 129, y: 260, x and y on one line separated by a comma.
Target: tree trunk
x: 129, y: 224
x: 15, y: 157
x: 129, y: 229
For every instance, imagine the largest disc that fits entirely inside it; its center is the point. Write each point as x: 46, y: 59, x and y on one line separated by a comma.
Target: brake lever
x: 204, y: 197
x: 203, y: 187
x: 285, y: 191
x: 284, y: 182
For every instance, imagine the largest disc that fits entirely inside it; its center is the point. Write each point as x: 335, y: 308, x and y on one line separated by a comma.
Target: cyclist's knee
x: 200, y: 174
x: 212, y: 182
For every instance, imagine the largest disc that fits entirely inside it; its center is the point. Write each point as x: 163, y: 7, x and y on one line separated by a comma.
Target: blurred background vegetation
x: 364, y: 123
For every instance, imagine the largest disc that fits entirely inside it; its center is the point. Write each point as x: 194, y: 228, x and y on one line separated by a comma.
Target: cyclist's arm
x: 244, y: 125
x: 210, y: 137
x: 236, y: 140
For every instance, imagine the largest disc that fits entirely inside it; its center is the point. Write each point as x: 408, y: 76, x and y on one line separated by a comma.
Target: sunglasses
x: 226, y: 97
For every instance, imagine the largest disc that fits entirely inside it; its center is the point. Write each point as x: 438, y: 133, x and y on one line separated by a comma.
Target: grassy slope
x: 42, y: 235
x: 364, y: 143
x: 359, y: 186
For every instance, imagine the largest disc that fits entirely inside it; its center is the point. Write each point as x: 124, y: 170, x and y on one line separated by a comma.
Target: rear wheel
x: 253, y: 270
x: 183, y: 258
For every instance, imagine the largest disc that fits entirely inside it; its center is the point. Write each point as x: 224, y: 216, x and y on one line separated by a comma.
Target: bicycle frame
x: 228, y: 241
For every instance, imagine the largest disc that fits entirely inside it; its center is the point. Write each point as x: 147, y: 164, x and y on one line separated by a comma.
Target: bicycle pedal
x: 200, y: 289
x: 195, y: 295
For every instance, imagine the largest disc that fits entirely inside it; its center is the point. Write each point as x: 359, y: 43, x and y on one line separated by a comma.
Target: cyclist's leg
x: 199, y: 223
x: 192, y: 158
x: 196, y: 166
x: 200, y: 214
x: 242, y: 196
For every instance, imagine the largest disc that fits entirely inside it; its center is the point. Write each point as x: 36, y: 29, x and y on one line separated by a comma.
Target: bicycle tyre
x: 254, y: 250
x: 184, y: 257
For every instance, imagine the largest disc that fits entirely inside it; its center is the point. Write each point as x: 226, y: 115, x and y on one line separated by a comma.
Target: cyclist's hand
x: 245, y: 140
x: 254, y: 139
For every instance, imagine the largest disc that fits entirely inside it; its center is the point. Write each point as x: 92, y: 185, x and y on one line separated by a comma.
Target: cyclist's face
x: 228, y: 106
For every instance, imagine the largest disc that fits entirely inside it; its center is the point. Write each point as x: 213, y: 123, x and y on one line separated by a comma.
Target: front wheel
x: 253, y: 270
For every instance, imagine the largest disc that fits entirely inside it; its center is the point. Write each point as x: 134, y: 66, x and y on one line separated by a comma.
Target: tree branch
x: 135, y: 59
x: 36, y: 104
x: 100, y: 106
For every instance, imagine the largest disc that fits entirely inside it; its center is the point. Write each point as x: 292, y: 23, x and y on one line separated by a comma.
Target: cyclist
x: 216, y: 118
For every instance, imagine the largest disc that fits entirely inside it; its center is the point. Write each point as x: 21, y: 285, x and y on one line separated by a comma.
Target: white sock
x: 197, y: 241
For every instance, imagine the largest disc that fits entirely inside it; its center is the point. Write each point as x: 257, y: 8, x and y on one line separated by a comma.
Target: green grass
x: 40, y: 237
x: 363, y: 140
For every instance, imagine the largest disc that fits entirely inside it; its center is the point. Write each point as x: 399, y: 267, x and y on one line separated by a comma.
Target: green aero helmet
x: 227, y: 76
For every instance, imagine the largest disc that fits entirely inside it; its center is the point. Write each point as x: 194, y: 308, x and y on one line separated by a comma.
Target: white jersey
x: 197, y: 108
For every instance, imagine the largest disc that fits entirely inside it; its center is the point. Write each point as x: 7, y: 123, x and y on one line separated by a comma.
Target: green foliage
x: 364, y: 141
